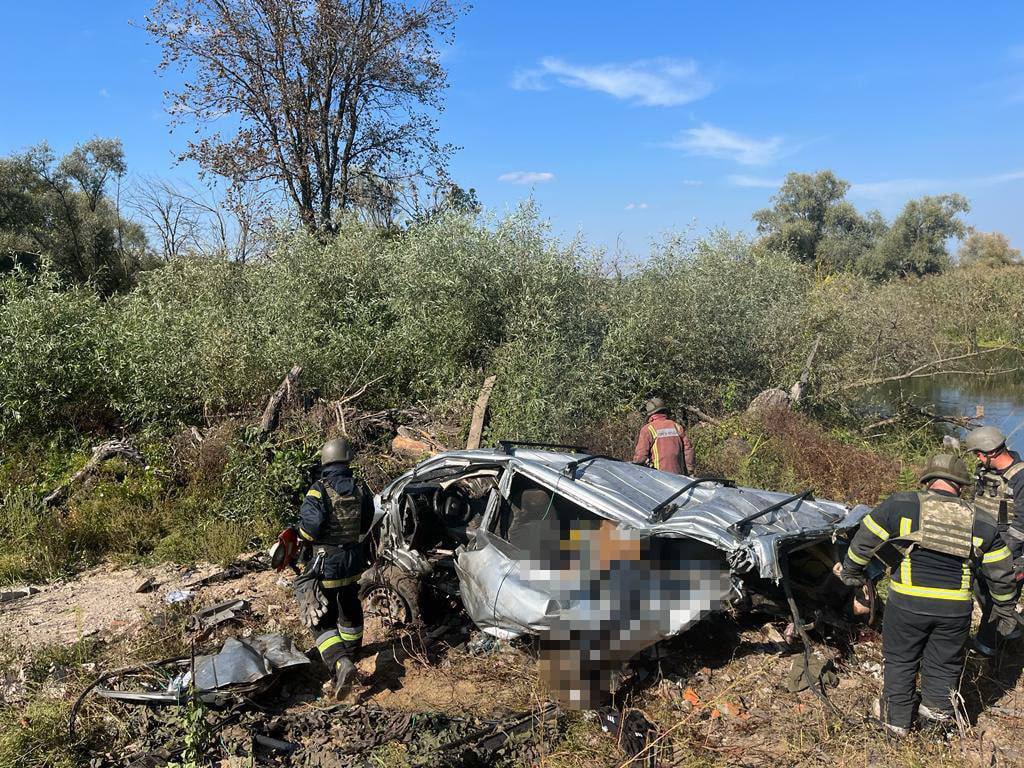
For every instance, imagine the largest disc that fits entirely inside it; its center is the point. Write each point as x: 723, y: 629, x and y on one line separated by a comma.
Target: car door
x: 491, y: 574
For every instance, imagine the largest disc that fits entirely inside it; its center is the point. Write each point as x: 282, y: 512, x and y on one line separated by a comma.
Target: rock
x: 17, y: 594
x: 769, y: 400
x: 146, y: 586
x: 407, y: 446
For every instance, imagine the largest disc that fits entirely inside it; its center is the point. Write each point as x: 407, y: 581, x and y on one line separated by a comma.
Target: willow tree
x: 328, y: 99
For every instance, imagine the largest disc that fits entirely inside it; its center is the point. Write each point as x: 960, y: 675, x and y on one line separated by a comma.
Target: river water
x: 996, y: 400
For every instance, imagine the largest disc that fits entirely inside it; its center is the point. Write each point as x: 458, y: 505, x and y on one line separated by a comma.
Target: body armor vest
x: 346, y: 515
x: 994, y: 496
x: 946, y: 525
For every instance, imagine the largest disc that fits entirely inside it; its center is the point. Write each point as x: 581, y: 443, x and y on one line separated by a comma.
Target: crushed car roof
x: 746, y: 523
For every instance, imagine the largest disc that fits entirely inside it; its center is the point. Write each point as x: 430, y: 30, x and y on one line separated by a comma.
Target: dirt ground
x: 716, y: 694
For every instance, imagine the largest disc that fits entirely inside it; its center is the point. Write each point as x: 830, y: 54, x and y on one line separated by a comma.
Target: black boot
x: 344, y: 676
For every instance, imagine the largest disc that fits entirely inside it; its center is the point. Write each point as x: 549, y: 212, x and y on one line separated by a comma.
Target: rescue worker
x: 998, y: 493
x: 336, y: 513
x: 928, y: 614
x: 663, y: 443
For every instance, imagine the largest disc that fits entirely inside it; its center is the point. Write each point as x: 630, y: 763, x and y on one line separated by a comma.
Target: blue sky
x: 626, y: 120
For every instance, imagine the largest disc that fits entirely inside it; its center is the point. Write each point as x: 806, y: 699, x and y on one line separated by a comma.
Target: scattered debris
x: 213, y: 616
x: 17, y: 594
x: 178, y: 596
x: 819, y: 669
x: 243, y: 666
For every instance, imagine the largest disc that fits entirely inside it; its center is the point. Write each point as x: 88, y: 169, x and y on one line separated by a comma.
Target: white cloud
x: 104, y: 93
x: 691, y: 182
x: 527, y: 177
x: 909, y: 187
x: 635, y: 206
x: 755, y: 182
x: 711, y: 141
x: 662, y: 82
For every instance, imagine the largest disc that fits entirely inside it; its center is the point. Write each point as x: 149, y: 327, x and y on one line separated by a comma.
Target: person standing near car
x: 998, y: 497
x: 663, y: 443
x: 335, y: 514
x: 941, y: 545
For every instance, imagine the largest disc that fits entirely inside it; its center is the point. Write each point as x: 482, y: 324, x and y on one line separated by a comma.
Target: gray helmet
x: 945, y: 466
x: 655, y: 405
x: 985, y: 439
x: 337, y: 450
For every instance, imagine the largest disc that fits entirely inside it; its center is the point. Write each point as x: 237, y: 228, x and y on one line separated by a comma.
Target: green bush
x: 422, y: 316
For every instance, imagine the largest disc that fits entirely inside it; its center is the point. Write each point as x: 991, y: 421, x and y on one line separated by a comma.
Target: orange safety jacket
x: 664, y: 445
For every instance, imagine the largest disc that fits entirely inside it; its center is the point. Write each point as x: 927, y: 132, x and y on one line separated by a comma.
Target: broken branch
x: 273, y: 410
x: 102, y: 452
x: 476, y: 425
x: 921, y: 371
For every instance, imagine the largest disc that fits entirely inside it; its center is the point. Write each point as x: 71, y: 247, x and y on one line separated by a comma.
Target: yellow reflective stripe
x: 857, y: 558
x: 905, y: 576
x: 965, y: 580
x: 875, y: 528
x: 314, y: 493
x: 305, y: 535
x: 978, y: 541
x: 1002, y: 598
x: 332, y: 640
x: 350, y: 635
x: 335, y: 583
x: 936, y: 593
x: 995, y: 555
x: 655, y: 458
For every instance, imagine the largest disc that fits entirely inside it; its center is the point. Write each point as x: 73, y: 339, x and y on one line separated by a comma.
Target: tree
x: 182, y: 219
x: 811, y: 220
x: 990, y: 249
x: 325, y: 98
x: 62, y: 212
x: 915, y: 244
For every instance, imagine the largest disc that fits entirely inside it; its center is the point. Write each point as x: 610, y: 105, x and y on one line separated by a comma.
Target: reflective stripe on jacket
x: 926, y: 581
x: 664, y: 444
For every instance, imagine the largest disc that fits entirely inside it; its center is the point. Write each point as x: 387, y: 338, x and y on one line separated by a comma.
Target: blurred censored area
x: 612, y: 592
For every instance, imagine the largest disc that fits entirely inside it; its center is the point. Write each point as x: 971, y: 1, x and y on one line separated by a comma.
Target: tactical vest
x: 345, y: 520
x: 994, y: 496
x: 946, y: 525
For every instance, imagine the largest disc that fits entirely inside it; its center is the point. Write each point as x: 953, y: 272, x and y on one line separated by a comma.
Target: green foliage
x: 37, y: 737
x: 62, y: 211
x: 812, y: 222
x: 422, y: 316
x: 989, y: 249
x: 915, y: 244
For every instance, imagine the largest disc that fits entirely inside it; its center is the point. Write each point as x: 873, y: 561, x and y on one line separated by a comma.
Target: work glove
x: 1005, y: 616
x: 310, y: 594
x: 1018, y: 569
x: 850, y: 576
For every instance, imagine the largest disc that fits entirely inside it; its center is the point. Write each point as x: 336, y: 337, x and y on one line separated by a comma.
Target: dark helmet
x: 945, y: 466
x: 985, y: 439
x: 655, y: 405
x: 337, y: 450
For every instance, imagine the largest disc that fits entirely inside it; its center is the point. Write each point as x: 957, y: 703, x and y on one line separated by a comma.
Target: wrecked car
x: 597, y: 557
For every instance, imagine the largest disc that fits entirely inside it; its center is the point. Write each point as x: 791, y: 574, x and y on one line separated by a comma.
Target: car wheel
x: 392, y: 595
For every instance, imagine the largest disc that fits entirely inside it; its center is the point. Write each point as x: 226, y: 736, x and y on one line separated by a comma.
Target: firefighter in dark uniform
x: 934, y: 543
x: 335, y: 515
x: 998, y: 493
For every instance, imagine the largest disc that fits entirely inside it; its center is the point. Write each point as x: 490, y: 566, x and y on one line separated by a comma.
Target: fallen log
x: 273, y: 410
x: 101, y: 453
